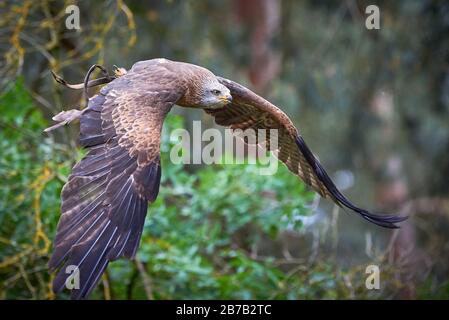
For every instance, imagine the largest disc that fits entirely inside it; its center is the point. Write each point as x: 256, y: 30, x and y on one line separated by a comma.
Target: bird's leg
x: 65, y: 117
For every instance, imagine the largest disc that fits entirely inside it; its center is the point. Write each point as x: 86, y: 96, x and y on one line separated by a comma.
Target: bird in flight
x: 105, y: 200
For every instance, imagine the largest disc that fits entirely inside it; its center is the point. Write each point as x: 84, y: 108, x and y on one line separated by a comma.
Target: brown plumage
x: 104, y: 202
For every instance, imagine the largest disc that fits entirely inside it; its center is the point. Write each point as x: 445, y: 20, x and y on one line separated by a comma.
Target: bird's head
x: 203, y: 90
x: 214, y: 95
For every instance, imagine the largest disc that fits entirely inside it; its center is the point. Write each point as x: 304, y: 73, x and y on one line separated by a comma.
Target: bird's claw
x: 118, y: 72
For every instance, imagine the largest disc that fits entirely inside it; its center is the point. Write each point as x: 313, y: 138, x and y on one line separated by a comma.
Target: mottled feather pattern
x: 139, y: 130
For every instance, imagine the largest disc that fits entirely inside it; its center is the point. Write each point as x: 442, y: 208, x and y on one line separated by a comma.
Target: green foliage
x: 433, y: 290
x: 196, y: 242
x: 31, y: 170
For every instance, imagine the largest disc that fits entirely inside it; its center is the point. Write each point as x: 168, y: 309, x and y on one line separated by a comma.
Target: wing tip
x: 386, y: 221
x: 383, y: 220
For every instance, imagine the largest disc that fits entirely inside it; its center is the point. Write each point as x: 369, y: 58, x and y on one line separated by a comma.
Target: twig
x: 146, y: 279
x: 27, y: 281
x: 106, y: 286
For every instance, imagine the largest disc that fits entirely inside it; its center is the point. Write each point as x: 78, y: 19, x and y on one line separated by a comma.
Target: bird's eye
x: 216, y: 92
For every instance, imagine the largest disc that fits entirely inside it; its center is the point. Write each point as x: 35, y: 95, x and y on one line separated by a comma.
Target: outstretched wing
x: 250, y: 111
x: 104, y: 202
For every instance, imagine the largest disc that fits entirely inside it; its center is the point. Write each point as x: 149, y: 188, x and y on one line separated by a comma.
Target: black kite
x: 104, y: 202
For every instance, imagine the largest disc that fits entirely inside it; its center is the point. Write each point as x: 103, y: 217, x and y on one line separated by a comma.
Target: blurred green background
x: 372, y: 104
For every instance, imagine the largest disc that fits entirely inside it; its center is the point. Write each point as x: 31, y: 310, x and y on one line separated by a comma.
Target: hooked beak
x: 226, y: 98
